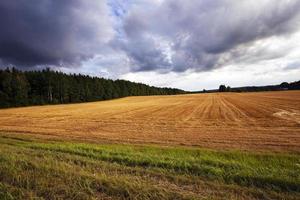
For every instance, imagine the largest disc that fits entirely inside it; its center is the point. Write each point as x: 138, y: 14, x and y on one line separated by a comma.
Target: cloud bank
x: 128, y: 39
x: 52, y: 32
x: 203, y: 35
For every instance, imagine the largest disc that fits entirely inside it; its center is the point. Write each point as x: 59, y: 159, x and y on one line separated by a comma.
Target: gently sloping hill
x: 51, y: 170
x: 232, y: 120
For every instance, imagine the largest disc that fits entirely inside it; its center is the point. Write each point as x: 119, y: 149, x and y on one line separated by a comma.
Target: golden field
x: 249, y: 121
x: 197, y: 146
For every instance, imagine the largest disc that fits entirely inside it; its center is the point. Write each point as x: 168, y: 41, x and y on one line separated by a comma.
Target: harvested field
x: 249, y: 121
x: 74, y: 152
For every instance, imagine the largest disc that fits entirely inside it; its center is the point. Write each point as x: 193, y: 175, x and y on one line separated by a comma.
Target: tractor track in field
x: 250, y: 121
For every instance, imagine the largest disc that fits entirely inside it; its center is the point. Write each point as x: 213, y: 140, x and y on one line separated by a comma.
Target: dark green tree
x: 19, y: 88
x: 222, y: 88
x: 228, y: 89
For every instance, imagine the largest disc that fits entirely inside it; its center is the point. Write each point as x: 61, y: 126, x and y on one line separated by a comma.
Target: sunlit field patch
x: 264, y: 121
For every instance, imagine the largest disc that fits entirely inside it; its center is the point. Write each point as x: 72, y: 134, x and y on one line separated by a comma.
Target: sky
x: 186, y: 44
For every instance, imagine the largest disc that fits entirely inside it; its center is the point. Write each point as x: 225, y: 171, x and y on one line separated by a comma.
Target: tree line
x: 280, y: 87
x: 23, y: 88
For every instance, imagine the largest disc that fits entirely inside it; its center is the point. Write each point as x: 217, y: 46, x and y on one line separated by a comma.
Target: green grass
x: 38, y: 169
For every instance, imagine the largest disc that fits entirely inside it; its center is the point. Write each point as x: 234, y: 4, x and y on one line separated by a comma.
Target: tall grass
x: 31, y: 169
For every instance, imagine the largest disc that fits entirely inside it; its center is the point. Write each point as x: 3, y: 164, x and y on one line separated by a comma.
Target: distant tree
x: 228, y: 89
x: 284, y: 85
x: 222, y: 88
x: 294, y: 85
x: 5, y: 88
x: 19, y: 88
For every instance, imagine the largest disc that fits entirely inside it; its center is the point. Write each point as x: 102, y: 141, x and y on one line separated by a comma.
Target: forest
x: 280, y: 87
x: 23, y: 88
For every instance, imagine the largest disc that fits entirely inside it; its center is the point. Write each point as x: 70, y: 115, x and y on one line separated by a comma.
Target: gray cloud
x: 203, y: 35
x: 162, y: 36
x: 141, y: 57
x: 293, y: 66
x: 52, y: 32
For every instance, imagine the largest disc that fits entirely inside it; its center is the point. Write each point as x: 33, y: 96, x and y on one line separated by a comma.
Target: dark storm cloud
x: 203, y: 35
x: 142, y: 35
x: 51, y: 32
x: 141, y: 57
